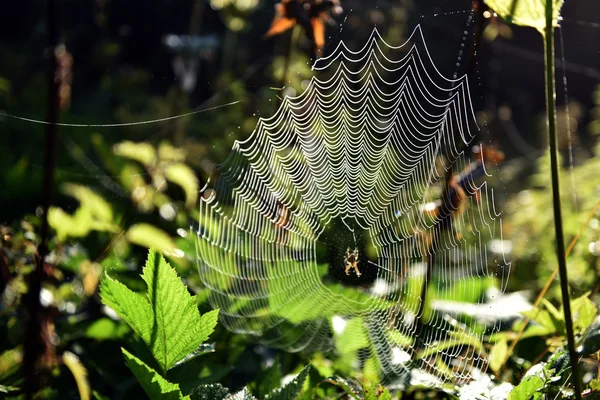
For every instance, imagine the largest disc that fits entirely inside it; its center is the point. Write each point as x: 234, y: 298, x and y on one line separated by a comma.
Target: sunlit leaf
x: 243, y: 394
x: 97, y: 206
x: 130, y: 306
x: 142, y: 152
x: 8, y: 389
x: 292, y: 389
x: 79, y: 373
x: 167, y: 319
x: 106, y: 329
x: 183, y: 176
x: 527, y: 389
x: 584, y: 312
x: 10, y: 361
x: 498, y: 355
x: 525, y: 12
x: 155, y: 386
x: 149, y: 236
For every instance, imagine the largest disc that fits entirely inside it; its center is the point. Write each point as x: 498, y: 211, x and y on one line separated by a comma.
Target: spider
x: 351, y: 261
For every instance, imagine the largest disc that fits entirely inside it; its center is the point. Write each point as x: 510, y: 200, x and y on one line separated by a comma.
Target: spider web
x: 351, y: 170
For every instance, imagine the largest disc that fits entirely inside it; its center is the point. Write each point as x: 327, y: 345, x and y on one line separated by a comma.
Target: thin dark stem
x: 35, y: 345
x: 560, y: 241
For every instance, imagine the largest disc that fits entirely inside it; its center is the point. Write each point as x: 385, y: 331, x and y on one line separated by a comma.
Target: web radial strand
x: 316, y: 233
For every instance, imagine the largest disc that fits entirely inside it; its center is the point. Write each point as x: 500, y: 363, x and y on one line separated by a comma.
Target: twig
x: 35, y: 345
x: 560, y: 245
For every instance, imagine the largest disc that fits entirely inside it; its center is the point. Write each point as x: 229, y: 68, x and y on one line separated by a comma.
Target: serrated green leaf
x: 292, y: 389
x: 179, y: 330
x: 595, y: 385
x: 79, y: 373
x: 527, y: 388
x: 370, y: 391
x: 243, y: 394
x: 130, y: 306
x: 142, y: 152
x: 184, y: 176
x: 203, y: 349
x: 530, y: 13
x: 151, y: 237
x: 213, y: 391
x: 155, y: 386
x: 376, y: 392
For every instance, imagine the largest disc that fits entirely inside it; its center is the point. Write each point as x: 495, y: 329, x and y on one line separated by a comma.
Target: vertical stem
x: 560, y: 245
x: 34, y: 344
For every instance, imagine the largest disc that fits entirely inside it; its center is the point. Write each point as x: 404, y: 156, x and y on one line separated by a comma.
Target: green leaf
x: 130, y: 306
x: 142, y: 152
x: 543, y: 318
x: 595, y: 385
x: 155, y: 386
x: 376, y: 392
x: 167, y: 319
x: 79, y: 373
x: 213, y: 391
x: 525, y: 12
x: 270, y: 381
x: 292, y: 389
x: 584, y: 312
x: 457, y: 338
x: 203, y: 349
x: 498, y: 355
x: 184, y: 176
x: 178, y: 330
x: 243, y: 394
x: 527, y: 389
x: 350, y: 388
x: 97, y: 206
x: 106, y: 329
x: 93, y: 213
x: 151, y: 237
x: 8, y: 389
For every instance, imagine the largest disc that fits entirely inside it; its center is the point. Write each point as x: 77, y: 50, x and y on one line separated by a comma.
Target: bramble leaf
x: 130, y: 306
x: 292, y: 389
x: 167, y: 319
x: 155, y: 386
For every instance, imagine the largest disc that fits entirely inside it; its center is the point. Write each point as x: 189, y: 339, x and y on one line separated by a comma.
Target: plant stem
x: 560, y: 241
x: 34, y: 343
